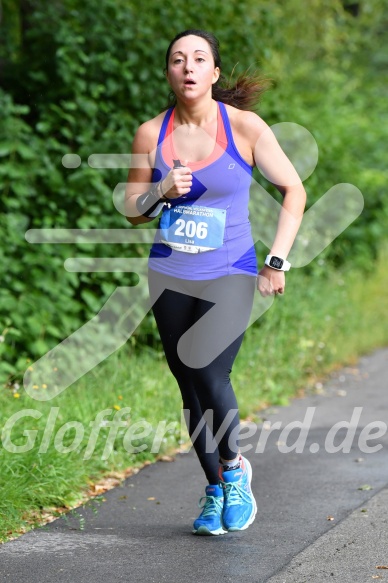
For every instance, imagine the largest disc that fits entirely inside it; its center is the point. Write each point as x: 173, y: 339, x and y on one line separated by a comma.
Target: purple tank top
x: 223, y: 184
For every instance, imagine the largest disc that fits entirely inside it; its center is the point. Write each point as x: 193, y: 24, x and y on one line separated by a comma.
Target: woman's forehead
x: 190, y: 43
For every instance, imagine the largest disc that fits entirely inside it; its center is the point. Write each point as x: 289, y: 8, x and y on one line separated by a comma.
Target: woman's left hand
x: 271, y: 281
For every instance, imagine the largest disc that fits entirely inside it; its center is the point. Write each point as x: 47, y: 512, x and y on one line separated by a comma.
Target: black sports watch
x: 277, y: 263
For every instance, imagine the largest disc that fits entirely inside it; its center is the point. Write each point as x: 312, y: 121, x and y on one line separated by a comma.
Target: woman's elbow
x: 138, y: 220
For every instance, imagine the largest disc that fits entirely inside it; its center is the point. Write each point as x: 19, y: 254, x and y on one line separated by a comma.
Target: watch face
x: 276, y: 262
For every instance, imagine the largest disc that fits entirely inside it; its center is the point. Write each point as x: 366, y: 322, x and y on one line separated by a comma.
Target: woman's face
x: 191, y: 71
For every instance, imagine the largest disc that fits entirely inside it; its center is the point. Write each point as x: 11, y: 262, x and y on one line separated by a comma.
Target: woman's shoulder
x: 152, y: 126
x: 246, y: 122
x: 247, y: 128
x: 147, y: 134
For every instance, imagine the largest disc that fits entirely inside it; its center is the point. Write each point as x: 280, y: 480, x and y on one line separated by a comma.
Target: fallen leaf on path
x: 98, y: 489
x: 382, y: 567
x: 341, y: 393
x: 166, y: 458
x: 365, y: 487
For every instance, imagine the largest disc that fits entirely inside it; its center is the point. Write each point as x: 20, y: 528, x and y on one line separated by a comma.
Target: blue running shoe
x: 239, y: 506
x: 209, y: 521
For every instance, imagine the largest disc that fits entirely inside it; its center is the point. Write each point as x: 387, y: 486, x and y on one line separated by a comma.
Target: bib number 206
x: 191, y: 229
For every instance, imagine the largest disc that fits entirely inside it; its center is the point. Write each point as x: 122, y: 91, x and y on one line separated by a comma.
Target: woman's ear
x: 216, y: 74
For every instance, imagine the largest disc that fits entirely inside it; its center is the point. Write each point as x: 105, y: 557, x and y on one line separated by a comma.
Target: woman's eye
x: 201, y: 59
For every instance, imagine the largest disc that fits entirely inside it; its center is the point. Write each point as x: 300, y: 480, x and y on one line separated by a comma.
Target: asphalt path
x: 322, y: 514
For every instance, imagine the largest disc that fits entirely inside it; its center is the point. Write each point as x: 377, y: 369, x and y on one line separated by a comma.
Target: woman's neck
x: 198, y: 114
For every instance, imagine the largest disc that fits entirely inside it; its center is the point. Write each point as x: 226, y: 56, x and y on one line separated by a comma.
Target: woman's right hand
x: 178, y: 182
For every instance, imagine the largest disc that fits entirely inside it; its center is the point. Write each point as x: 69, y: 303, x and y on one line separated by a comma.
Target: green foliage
x: 80, y: 79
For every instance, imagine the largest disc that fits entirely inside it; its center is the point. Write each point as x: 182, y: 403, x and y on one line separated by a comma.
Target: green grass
x: 324, y: 320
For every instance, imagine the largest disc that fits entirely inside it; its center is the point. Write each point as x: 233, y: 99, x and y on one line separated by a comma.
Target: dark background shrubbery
x: 79, y: 77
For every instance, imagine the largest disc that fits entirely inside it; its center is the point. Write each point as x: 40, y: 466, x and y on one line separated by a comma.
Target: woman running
x: 194, y: 168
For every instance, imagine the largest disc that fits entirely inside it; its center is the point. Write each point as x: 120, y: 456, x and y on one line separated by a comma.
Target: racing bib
x: 193, y: 229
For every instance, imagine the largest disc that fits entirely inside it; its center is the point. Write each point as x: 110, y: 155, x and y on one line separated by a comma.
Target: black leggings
x: 201, y: 326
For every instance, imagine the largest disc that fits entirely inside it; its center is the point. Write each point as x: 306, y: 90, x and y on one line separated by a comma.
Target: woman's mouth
x: 189, y: 82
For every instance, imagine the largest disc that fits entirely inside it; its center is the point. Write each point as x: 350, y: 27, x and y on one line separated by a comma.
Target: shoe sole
x: 254, y: 509
x: 204, y: 531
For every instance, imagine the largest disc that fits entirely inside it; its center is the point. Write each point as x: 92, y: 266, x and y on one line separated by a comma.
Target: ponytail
x: 244, y: 93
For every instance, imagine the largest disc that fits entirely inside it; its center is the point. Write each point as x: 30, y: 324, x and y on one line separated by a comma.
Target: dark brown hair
x: 243, y: 92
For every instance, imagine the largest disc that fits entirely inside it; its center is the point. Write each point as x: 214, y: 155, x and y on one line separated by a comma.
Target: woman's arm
x: 139, y: 175
x: 177, y: 182
x: 277, y: 168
